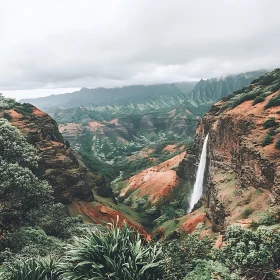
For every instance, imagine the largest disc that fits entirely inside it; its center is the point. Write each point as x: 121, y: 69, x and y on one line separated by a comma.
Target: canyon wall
x: 243, y: 167
x: 57, y: 163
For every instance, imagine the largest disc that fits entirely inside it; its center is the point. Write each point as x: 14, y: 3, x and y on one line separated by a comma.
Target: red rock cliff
x: 243, y: 168
x: 57, y: 163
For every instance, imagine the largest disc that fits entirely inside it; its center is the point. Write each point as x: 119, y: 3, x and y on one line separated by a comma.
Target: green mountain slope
x: 109, y: 96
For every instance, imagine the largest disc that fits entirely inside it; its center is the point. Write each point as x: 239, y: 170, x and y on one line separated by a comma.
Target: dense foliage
x: 117, y: 254
x: 181, y: 256
x: 275, y: 101
x: 246, y: 254
x: 30, y: 222
x: 255, y: 254
x: 23, y: 195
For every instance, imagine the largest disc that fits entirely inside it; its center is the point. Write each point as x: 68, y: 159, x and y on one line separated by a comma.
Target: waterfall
x: 198, y: 186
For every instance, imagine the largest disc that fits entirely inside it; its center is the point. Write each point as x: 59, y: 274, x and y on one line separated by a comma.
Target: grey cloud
x: 85, y: 43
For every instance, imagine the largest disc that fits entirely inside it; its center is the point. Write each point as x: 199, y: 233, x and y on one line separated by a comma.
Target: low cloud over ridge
x: 73, y: 44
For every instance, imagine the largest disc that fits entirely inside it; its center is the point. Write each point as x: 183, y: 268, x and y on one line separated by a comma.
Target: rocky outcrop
x: 158, y: 184
x: 242, y: 172
x: 57, y: 163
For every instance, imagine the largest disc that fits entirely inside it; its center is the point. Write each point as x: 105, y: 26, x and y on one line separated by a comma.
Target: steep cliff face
x: 57, y: 163
x: 243, y: 169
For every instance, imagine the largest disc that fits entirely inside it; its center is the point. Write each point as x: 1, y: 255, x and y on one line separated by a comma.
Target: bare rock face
x: 57, y: 163
x: 242, y: 173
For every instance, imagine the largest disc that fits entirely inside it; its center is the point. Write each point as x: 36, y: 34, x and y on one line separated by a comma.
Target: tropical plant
x: 118, y: 254
x: 32, y: 269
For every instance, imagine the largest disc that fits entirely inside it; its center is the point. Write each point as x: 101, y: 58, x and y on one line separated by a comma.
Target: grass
x: 171, y: 225
x: 126, y: 210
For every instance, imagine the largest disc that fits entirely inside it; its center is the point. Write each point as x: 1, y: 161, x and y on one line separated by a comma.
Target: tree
x: 253, y: 253
x: 24, y: 198
x: 182, y: 256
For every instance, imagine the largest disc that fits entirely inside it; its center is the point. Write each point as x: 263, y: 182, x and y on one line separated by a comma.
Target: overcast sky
x: 56, y: 46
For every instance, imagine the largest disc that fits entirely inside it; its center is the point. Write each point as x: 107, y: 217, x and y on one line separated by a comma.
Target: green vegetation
x: 258, y: 90
x: 267, y: 219
x: 118, y: 254
x: 22, y: 200
x: 113, y: 253
x: 6, y: 103
x: 268, y: 139
x: 169, y: 212
x: 258, y: 99
x: 30, y: 222
x: 182, y: 256
x: 211, y: 270
x: 6, y: 116
x: 273, y: 102
x: 273, y: 131
x: 32, y: 269
x: 246, y: 213
x: 277, y: 144
x: 270, y: 123
x: 253, y: 253
x: 248, y: 96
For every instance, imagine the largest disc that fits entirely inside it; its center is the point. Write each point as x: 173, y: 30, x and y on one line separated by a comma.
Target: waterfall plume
x: 198, y: 186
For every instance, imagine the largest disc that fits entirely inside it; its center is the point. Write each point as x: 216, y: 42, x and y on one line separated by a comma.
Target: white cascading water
x: 198, y: 186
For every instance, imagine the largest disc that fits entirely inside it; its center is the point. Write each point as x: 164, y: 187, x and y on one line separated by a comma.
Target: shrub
x: 6, y: 116
x: 270, y: 123
x: 267, y: 79
x: 182, y: 256
x: 272, y: 132
x: 28, y: 242
x: 56, y: 223
x: 245, y: 97
x: 268, y: 139
x: 6, y: 103
x: 275, y: 87
x: 127, y: 201
x: 258, y: 100
x: 277, y: 144
x: 119, y: 254
x: 211, y: 270
x: 267, y: 219
x: 275, y: 101
x: 26, y: 108
x: 251, y: 252
x: 140, y: 204
x: 246, y: 213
